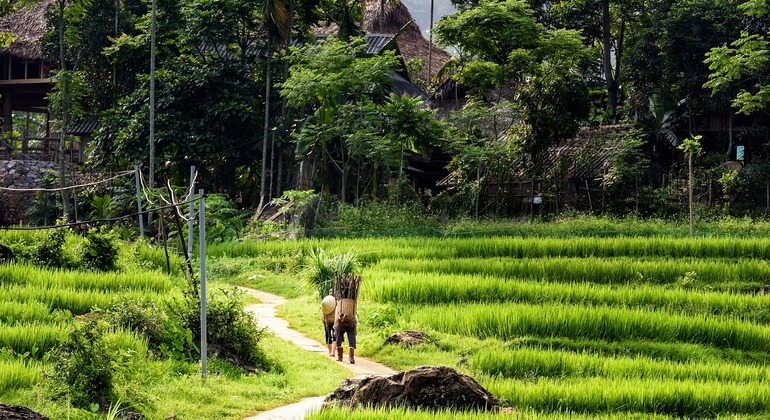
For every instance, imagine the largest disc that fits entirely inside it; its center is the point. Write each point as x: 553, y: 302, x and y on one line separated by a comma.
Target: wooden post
x: 588, y: 191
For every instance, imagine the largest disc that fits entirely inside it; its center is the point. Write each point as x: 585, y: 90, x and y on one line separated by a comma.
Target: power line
x: 68, y: 187
x: 95, y: 221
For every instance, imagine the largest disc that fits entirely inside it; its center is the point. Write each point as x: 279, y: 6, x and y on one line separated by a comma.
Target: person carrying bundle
x: 328, y: 306
x: 346, y: 320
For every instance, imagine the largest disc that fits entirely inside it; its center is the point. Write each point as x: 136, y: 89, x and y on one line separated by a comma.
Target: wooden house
x: 25, y: 81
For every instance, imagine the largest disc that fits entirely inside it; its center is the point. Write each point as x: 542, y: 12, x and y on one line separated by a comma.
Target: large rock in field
x: 15, y: 412
x: 429, y: 388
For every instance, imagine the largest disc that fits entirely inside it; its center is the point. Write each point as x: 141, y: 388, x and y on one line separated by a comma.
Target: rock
x: 15, y: 412
x: 407, y: 338
x: 341, y: 396
x: 429, y: 387
x: 377, y: 391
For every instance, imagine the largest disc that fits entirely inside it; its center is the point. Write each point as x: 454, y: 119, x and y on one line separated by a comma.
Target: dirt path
x: 265, y: 316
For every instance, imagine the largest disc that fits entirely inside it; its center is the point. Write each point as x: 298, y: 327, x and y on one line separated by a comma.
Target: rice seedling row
x: 61, y: 279
x: 687, y: 398
x: 533, y: 363
x: 508, y: 321
x: 77, y: 302
x: 431, y: 289
x: 677, y: 352
x: 23, y: 311
x: 744, y: 275
x: 32, y: 338
x: 17, y: 374
x: 372, y: 250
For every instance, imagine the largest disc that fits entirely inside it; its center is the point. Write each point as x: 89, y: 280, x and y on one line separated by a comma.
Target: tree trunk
x: 612, y: 86
x: 689, y: 188
x: 64, y: 100
x: 729, y: 152
x: 265, y: 132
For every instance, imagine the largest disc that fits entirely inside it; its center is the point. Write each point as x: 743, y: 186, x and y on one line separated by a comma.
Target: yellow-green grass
x: 741, y: 275
x: 513, y: 414
x: 527, y: 363
x: 78, y: 302
x: 508, y: 321
x: 12, y: 312
x: 690, y: 398
x: 23, y: 274
x: 374, y: 249
x: 33, y: 338
x: 229, y: 393
x: 432, y: 288
x: 16, y: 374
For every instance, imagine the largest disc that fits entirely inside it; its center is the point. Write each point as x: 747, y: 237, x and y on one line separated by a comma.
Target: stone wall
x: 19, y: 174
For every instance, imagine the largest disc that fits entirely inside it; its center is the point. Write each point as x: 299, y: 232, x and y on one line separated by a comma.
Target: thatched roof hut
x: 411, y: 43
x: 27, y: 25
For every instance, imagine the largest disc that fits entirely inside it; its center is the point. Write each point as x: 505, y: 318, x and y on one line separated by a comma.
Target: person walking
x: 328, y: 306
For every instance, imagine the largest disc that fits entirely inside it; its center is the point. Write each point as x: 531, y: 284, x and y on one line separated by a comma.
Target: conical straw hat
x: 328, y: 304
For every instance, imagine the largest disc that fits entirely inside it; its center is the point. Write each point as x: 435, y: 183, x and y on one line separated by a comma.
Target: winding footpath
x: 265, y: 315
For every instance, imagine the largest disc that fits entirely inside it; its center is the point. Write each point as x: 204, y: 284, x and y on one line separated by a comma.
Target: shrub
x: 82, y: 365
x: 232, y: 332
x: 141, y: 317
x: 101, y: 250
x: 50, y: 252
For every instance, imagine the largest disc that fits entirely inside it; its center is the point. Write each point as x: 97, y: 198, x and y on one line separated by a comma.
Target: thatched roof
x: 28, y: 26
x: 411, y: 43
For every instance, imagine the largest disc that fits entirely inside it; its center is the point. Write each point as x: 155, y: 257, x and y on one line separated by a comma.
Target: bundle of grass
x: 321, y: 269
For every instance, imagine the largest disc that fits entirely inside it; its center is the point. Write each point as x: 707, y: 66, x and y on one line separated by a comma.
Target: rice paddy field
x: 558, y: 327
x: 38, y: 305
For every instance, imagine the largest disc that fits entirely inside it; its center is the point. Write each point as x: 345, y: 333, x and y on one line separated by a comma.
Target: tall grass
x: 22, y: 274
x: 33, y: 338
x: 743, y: 275
x: 517, y: 414
x: 690, y: 398
x: 533, y: 363
x: 374, y: 249
x: 16, y: 374
x: 602, y: 323
x: 17, y: 312
x: 78, y: 302
x: 432, y: 289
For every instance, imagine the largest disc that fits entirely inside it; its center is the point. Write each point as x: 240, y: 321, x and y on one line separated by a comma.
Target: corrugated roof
x: 85, y: 127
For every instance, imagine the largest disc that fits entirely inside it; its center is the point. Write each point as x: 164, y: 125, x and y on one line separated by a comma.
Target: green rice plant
x: 603, y: 323
x: 742, y: 275
x: 17, y: 374
x: 23, y: 311
x: 321, y: 268
x: 687, y: 398
x: 517, y: 414
x: 537, y: 362
x: 676, y: 352
x: 77, y: 302
x: 33, y: 338
x: 431, y: 289
x: 23, y: 274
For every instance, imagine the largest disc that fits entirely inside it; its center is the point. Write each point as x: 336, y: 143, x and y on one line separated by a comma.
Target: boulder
x: 407, y: 338
x: 428, y: 388
x: 15, y: 412
x: 341, y: 396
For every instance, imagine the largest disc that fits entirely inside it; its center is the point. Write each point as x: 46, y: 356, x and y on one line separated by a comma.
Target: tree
x: 332, y: 80
x: 691, y: 147
x: 496, y: 39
